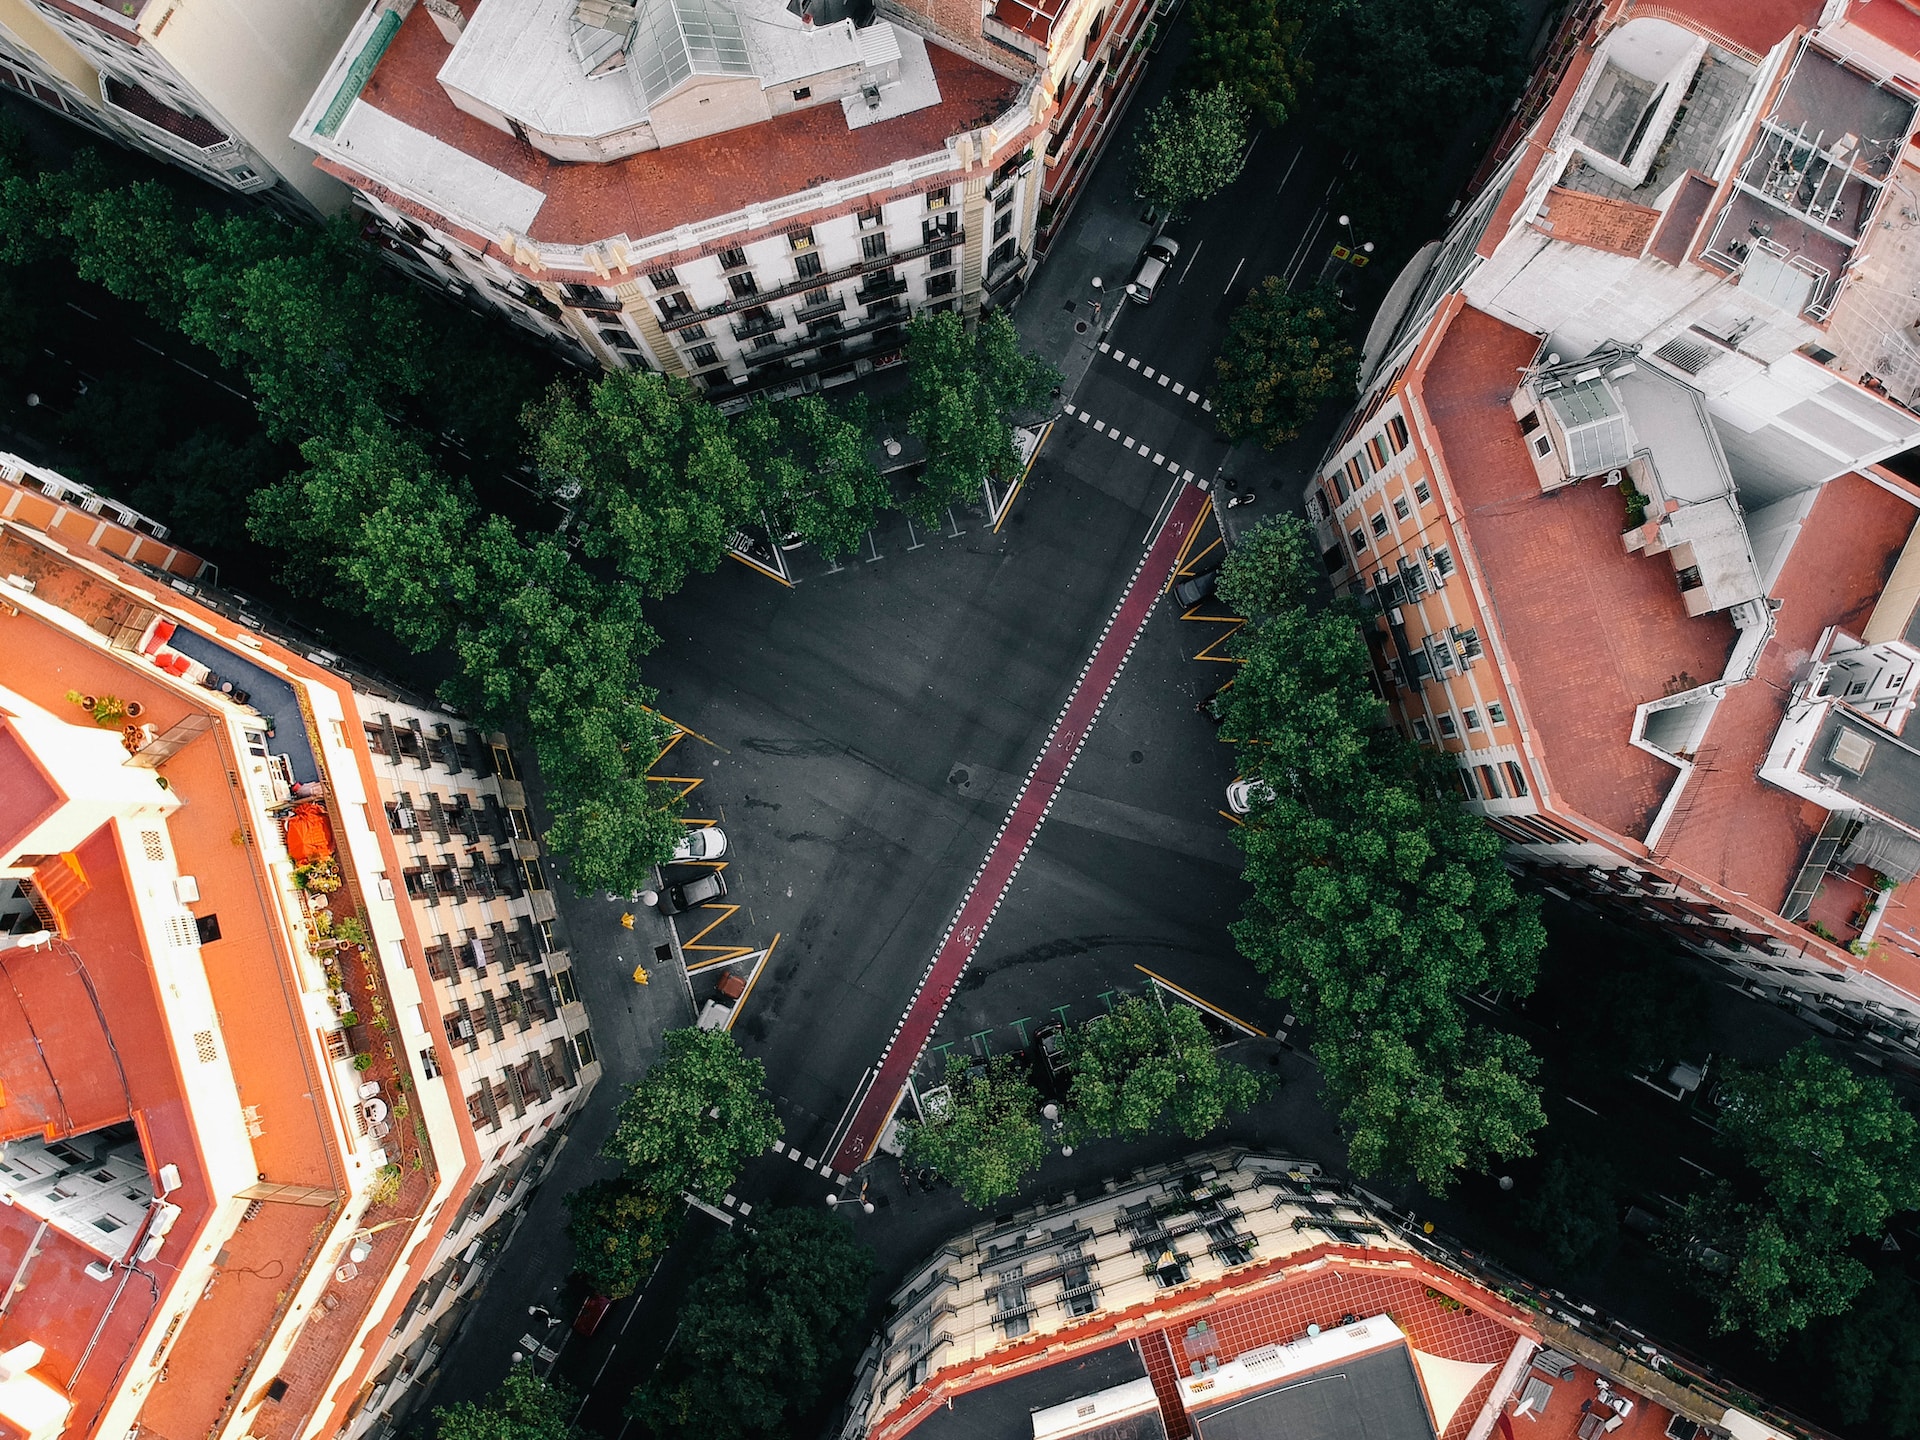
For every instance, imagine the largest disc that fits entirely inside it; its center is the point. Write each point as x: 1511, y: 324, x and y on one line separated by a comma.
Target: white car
x: 1242, y: 794
x: 706, y: 843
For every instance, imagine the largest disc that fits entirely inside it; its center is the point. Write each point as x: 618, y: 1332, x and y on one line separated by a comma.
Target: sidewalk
x: 1104, y: 236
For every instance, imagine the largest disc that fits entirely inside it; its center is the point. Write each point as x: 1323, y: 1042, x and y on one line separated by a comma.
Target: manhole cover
x: 1079, y: 327
x: 1137, y: 756
x: 960, y: 777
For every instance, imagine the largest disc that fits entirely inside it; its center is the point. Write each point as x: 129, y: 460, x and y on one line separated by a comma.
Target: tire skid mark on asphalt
x: 1021, y: 825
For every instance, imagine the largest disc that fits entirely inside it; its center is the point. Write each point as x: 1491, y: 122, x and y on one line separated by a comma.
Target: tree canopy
x: 1142, y: 1065
x: 698, y: 1112
x: 1283, y: 358
x: 990, y: 1138
x: 1828, y: 1156
x: 1253, y: 47
x: 963, y: 394
x: 1190, y: 146
x: 767, y: 1326
x: 619, y: 1228
x: 1378, y: 901
x: 521, y: 1407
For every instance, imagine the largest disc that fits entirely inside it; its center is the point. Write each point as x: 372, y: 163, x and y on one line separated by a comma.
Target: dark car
x: 698, y: 891
x: 591, y: 1314
x: 1195, y: 588
x: 1153, y: 265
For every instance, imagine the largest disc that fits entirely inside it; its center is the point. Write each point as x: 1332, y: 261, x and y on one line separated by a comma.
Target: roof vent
x: 872, y: 94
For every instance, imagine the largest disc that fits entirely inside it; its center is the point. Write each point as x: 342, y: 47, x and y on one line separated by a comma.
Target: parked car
x: 592, y: 1312
x: 707, y: 843
x: 1242, y: 795
x: 698, y: 891
x: 1153, y: 265
x: 1195, y: 588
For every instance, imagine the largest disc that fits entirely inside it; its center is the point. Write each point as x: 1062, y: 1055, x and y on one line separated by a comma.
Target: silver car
x: 1153, y: 265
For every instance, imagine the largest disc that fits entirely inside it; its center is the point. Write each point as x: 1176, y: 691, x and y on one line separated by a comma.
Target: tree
x: 1143, y: 1062
x: 619, y: 1229
x: 652, y: 469
x: 373, y: 510
x: 1389, y: 75
x: 1829, y: 1156
x: 1378, y: 902
x: 1283, y: 358
x: 1254, y: 48
x: 697, y: 1113
x: 990, y: 1136
x: 1870, y: 1357
x: 815, y: 469
x: 521, y: 1407
x: 1572, y: 1204
x: 963, y: 392
x: 1191, y: 146
x: 764, y: 1330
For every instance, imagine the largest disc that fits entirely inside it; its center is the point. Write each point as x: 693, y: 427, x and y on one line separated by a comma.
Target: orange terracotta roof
x: 1033, y: 20
x: 1589, y: 631
x: 1573, y: 1399
x: 655, y: 191
x: 75, y: 525
x: 1734, y: 829
x: 28, y: 794
x: 1752, y: 25
x: 1598, y: 222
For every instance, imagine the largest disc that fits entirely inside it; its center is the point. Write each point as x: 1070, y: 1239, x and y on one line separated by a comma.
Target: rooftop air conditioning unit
x: 872, y: 94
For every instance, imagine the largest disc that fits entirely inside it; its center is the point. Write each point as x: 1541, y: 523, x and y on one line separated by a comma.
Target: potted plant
x: 350, y: 929
x: 349, y: 1018
x: 107, y: 710
x: 363, y: 1061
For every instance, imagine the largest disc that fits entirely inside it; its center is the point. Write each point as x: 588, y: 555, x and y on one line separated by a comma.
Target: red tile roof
x: 1733, y: 829
x: 1031, y: 19
x: 655, y: 191
x: 28, y: 795
x: 1589, y: 631
x: 1598, y: 222
x: 1752, y: 25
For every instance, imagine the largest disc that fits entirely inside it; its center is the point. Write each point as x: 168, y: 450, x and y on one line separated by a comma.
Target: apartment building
x: 213, y: 86
x: 1235, y: 1294
x: 750, y: 193
x: 1614, y: 492
x: 289, y: 1032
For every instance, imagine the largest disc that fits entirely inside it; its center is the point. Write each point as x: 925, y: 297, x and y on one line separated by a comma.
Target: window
x: 1443, y: 562
x: 940, y: 260
x: 765, y: 342
x: 1472, y: 717
x: 583, y: 1047
x: 619, y: 339
x: 1496, y: 713
x: 1447, y: 727
x: 870, y: 219
x: 563, y: 986
x: 695, y: 331
x: 704, y: 355
x: 1469, y: 642
x: 937, y: 199
x: 1003, y: 226
x: 733, y: 259
x: 807, y: 266
x: 208, y: 927
x: 941, y: 284
x: 1490, y: 783
x: 1517, y: 778
x: 241, y: 177
x: 1397, y: 432
x: 663, y: 279
x: 805, y: 92
x: 1467, y: 787
x: 1401, y: 509
x: 1421, y: 732
x: 1543, y: 445
x: 1379, y: 524
x: 1423, y: 492
x: 873, y: 246
x: 742, y: 285
x: 1003, y: 254
x: 1359, y: 538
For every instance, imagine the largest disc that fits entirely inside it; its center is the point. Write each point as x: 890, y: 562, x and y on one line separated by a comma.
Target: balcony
x: 758, y: 325
x: 880, y: 288
x: 681, y: 319
x: 816, y: 312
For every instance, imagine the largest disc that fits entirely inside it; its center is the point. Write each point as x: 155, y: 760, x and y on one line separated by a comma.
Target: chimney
x: 449, y: 17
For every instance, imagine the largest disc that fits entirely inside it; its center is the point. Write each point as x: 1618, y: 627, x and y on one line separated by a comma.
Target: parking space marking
x: 723, y: 952
x: 1022, y: 823
x: 1199, y: 1004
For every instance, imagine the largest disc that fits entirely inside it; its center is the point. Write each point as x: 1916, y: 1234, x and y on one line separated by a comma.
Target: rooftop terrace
x: 657, y: 190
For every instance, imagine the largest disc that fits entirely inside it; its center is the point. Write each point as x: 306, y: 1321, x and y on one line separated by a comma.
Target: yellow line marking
x: 1221, y: 639
x: 756, y: 565
x: 713, y: 964
x: 1193, y: 560
x: 697, y: 821
x: 729, y: 952
x: 1018, y: 485
x: 1231, y: 1019
x: 1229, y: 815
x: 753, y: 980
x: 689, y: 783
x: 684, y: 730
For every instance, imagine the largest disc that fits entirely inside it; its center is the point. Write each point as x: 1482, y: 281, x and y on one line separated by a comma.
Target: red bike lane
x: 1023, y: 822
